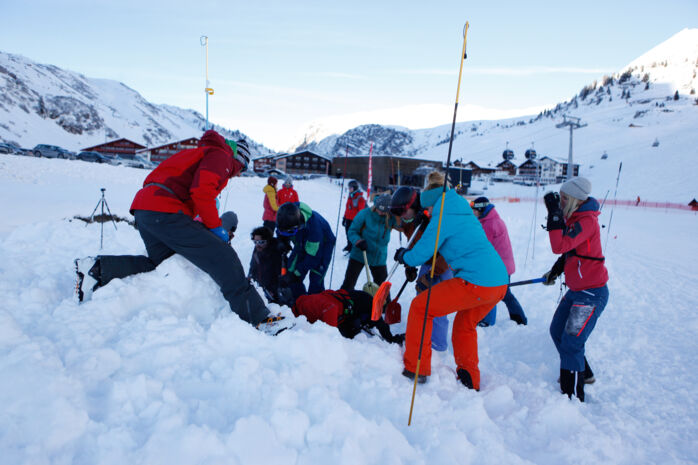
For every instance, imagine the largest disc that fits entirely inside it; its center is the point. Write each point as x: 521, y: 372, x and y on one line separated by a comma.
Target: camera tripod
x: 103, y: 203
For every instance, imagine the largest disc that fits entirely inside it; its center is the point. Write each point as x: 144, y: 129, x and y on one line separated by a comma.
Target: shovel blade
x: 393, y: 313
x: 379, y: 299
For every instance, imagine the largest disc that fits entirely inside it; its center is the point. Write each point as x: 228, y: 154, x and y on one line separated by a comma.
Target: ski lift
x: 531, y: 153
x: 508, y: 154
x: 655, y: 143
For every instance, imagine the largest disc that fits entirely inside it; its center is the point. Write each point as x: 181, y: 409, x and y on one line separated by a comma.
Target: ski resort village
x: 360, y: 234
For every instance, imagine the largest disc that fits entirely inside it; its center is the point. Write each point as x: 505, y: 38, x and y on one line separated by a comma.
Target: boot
x: 588, y: 375
x: 518, y: 319
x: 465, y: 378
x: 580, y: 386
x: 421, y: 379
x: 87, y: 281
x: 275, y: 324
x: 567, y: 380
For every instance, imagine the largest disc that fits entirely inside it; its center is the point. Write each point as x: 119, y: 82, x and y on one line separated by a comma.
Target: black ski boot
x: 588, y: 375
x: 421, y: 379
x: 580, y: 386
x: 518, y: 319
x: 567, y: 380
x: 465, y: 378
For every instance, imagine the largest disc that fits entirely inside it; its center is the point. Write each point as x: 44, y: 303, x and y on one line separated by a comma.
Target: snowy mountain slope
x: 156, y: 370
x: 46, y: 104
x: 624, y: 112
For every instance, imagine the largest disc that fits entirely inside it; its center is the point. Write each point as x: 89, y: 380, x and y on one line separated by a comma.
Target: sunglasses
x: 260, y: 242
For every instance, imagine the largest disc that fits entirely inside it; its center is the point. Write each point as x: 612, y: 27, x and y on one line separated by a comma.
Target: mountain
x: 45, y: 104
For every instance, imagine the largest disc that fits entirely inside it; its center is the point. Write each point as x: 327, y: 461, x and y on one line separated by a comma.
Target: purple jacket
x: 496, y: 232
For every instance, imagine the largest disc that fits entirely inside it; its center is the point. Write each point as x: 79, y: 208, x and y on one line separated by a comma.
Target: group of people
x: 176, y: 212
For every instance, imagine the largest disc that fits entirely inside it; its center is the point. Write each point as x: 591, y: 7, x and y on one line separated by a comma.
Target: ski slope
x: 155, y: 369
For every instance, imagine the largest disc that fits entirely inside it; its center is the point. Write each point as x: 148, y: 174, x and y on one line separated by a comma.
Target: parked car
x: 52, y: 151
x: 94, y: 157
x: 136, y: 162
x: 9, y: 148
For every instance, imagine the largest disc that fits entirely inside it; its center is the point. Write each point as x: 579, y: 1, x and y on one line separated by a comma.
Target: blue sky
x: 276, y: 66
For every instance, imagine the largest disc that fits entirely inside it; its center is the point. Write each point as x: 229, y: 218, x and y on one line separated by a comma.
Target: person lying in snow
x: 176, y: 191
x: 573, y: 229
x: 347, y: 310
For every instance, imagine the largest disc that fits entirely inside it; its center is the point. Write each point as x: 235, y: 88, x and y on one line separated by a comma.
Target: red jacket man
x: 287, y: 193
x: 355, y: 203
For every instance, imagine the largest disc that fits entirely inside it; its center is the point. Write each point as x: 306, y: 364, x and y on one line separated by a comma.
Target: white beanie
x: 578, y: 187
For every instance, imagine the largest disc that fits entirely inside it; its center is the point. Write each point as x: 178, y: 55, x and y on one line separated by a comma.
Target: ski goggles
x: 288, y: 232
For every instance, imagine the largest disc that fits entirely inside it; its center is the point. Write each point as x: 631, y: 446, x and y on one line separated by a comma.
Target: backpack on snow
x: 331, y: 307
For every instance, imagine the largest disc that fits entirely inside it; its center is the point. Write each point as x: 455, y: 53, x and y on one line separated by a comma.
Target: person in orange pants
x: 480, y: 282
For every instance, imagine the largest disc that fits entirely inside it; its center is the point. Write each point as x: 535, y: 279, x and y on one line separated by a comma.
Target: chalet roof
x: 302, y: 152
x: 112, y: 142
x: 170, y: 143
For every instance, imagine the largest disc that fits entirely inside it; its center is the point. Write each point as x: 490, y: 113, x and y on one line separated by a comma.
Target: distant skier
x: 313, y: 243
x: 497, y: 234
x: 355, y: 203
x: 573, y: 229
x: 287, y: 193
x: 369, y: 233
x: 481, y: 281
x: 270, y: 205
x: 178, y: 189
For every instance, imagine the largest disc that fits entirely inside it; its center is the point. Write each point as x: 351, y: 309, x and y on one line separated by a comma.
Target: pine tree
x: 676, y: 95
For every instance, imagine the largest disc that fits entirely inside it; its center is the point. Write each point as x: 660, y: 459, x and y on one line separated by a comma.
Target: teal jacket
x: 371, y: 227
x: 462, y: 241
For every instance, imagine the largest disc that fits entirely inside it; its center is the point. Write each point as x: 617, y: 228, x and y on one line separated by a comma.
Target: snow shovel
x: 393, y: 311
x: 370, y: 287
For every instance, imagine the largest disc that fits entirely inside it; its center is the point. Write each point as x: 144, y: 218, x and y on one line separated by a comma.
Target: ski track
x: 155, y: 369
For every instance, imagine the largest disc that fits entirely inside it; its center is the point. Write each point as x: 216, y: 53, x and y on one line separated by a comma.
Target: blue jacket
x: 312, y: 245
x: 462, y: 241
x: 375, y: 230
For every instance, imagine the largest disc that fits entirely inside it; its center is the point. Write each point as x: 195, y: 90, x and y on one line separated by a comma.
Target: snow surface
x: 155, y: 369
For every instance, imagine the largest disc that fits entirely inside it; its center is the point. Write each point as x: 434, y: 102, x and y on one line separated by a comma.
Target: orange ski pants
x: 471, y: 303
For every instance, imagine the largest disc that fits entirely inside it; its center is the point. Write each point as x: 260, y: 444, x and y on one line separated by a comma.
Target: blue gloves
x: 221, y: 233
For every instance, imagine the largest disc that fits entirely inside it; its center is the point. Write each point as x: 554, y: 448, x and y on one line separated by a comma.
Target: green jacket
x: 371, y: 227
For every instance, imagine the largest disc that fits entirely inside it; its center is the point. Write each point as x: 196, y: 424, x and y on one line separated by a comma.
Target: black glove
x: 283, y: 247
x: 557, y: 269
x: 288, y: 279
x: 411, y: 273
x: 361, y: 245
x: 344, y: 222
x: 555, y: 218
x: 420, y: 218
x: 399, y: 254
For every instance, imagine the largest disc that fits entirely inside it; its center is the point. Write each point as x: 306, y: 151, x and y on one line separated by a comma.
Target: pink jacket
x: 496, y: 232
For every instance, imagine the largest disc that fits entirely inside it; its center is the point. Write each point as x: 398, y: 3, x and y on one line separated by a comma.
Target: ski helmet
x: 403, y: 199
x: 229, y: 221
x: 480, y: 204
x: 382, y: 203
x: 289, y: 219
x: 353, y: 185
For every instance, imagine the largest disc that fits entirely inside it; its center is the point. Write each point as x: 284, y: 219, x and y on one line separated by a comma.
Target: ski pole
x: 528, y: 281
x: 339, y: 211
x: 438, y: 228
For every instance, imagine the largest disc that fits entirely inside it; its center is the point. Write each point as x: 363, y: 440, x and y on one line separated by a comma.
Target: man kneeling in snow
x: 179, y: 189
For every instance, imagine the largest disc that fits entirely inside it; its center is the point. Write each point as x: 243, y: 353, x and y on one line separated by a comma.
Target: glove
x: 557, y: 269
x: 555, y: 218
x: 361, y: 245
x: 344, y: 222
x: 420, y: 218
x: 221, y: 233
x: 411, y: 273
x: 552, y: 201
x: 399, y: 254
x: 288, y: 279
x: 283, y: 247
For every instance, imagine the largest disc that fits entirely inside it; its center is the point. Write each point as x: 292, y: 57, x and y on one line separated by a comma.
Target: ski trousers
x: 355, y: 268
x: 165, y: 234
x: 573, y: 322
x: 470, y: 302
x: 512, y: 305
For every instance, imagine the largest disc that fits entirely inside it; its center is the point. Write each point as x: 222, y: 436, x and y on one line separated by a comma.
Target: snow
x: 156, y: 369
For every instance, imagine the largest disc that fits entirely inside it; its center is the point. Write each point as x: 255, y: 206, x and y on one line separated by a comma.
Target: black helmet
x: 289, y: 219
x: 353, y: 185
x: 404, y: 198
x: 480, y: 204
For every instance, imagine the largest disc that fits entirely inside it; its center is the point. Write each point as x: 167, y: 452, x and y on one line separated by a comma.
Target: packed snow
x: 156, y: 369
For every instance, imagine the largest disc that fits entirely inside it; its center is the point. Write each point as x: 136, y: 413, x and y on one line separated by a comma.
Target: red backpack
x: 331, y: 307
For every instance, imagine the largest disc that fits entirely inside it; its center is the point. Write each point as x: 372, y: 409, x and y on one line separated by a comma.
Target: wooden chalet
x: 506, y: 168
x: 163, y: 152
x: 264, y: 164
x: 123, y: 148
x: 478, y: 170
x: 304, y: 162
x: 545, y: 170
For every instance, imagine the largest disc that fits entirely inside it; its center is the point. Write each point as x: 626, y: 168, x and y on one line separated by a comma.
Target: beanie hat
x: 230, y: 221
x: 578, y: 188
x: 271, y: 180
x: 480, y: 204
x: 288, y: 182
x: 382, y: 203
x: 241, y: 152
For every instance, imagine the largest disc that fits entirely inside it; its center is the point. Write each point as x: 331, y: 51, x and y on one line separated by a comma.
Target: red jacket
x: 269, y: 204
x: 193, y: 179
x: 583, y: 236
x: 355, y: 203
x: 286, y: 194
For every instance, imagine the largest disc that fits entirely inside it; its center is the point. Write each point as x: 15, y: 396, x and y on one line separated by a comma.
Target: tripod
x: 103, y: 203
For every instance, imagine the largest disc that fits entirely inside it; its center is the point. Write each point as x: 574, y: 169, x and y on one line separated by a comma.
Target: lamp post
x: 208, y: 90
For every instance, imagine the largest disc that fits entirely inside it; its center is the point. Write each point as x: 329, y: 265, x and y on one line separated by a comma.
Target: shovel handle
x: 399, y: 293
x: 528, y: 281
x: 368, y: 273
